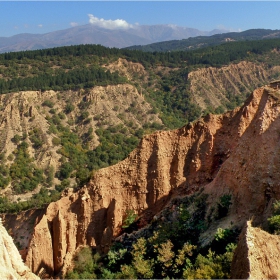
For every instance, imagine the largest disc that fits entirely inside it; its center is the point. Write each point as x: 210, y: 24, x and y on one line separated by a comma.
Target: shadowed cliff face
x: 235, y: 153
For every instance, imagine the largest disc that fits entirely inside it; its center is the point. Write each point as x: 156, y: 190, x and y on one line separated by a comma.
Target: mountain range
x: 90, y: 34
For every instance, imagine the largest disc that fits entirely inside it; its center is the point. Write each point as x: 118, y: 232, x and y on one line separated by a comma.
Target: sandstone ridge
x: 214, y: 154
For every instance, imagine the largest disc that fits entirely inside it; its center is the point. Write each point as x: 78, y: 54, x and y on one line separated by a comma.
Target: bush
x: 85, y: 265
x: 274, y: 224
x: 69, y: 108
x: 48, y: 103
x: 56, y: 141
x: 65, y: 170
x: 16, y: 139
x: 129, y: 219
x: 274, y: 220
x: 223, y: 205
x: 211, y: 266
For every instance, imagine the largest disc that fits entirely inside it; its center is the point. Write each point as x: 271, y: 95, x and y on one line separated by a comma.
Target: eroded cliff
x: 33, y: 117
x: 234, y: 153
x: 215, y: 86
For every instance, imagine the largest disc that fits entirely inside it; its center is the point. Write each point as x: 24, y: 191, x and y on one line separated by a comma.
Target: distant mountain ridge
x: 207, y: 41
x: 90, y: 34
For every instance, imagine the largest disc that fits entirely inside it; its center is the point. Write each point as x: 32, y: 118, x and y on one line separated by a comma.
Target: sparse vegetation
x: 274, y: 220
x: 129, y: 219
x: 223, y: 206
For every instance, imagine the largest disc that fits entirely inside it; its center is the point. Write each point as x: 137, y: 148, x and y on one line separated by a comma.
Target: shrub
x: 84, y: 115
x: 56, y: 141
x: 48, y: 103
x: 61, y: 116
x: 223, y: 205
x: 85, y: 265
x: 65, y: 170
x: 274, y: 224
x: 69, y: 108
x: 16, y: 139
x: 129, y: 219
x: 274, y: 220
x: 64, y: 184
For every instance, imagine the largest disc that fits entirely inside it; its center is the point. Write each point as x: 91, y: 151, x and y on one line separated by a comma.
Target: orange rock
x: 235, y: 153
x: 257, y: 255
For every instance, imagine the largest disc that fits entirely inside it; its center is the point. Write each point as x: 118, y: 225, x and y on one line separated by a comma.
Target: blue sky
x: 45, y: 16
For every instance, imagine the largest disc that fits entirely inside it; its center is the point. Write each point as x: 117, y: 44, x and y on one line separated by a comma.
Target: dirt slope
x: 212, y: 86
x: 24, y: 112
x: 257, y: 255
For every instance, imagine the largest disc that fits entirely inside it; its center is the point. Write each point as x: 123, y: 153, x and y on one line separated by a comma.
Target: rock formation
x: 257, y: 255
x: 212, y: 86
x: 236, y: 153
x: 22, y: 113
x: 11, y: 264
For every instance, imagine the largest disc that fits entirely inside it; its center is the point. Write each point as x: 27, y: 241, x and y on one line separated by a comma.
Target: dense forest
x: 199, y: 42
x: 82, y: 66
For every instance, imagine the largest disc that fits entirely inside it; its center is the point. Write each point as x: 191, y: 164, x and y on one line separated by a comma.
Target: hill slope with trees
x: 72, y: 110
x: 199, y: 42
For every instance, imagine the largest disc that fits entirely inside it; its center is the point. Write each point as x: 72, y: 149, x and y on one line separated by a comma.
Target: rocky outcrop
x: 215, y: 86
x: 11, y: 264
x: 235, y: 153
x: 251, y: 173
x: 257, y: 255
x: 42, y: 250
x: 126, y: 68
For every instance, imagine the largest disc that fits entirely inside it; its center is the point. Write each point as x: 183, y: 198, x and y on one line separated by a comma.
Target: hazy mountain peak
x: 109, y: 33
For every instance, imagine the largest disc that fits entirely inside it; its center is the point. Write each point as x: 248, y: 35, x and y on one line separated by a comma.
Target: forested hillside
x: 199, y: 42
x: 68, y: 111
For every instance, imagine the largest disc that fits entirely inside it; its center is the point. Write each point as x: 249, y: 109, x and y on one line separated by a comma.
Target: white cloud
x: 73, y: 24
x: 40, y: 25
x: 109, y: 24
x: 222, y: 27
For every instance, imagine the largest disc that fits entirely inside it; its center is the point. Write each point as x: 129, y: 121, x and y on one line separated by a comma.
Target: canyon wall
x: 235, y: 153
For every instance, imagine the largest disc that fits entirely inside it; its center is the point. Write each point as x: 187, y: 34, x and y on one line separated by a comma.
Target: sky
x: 45, y: 16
